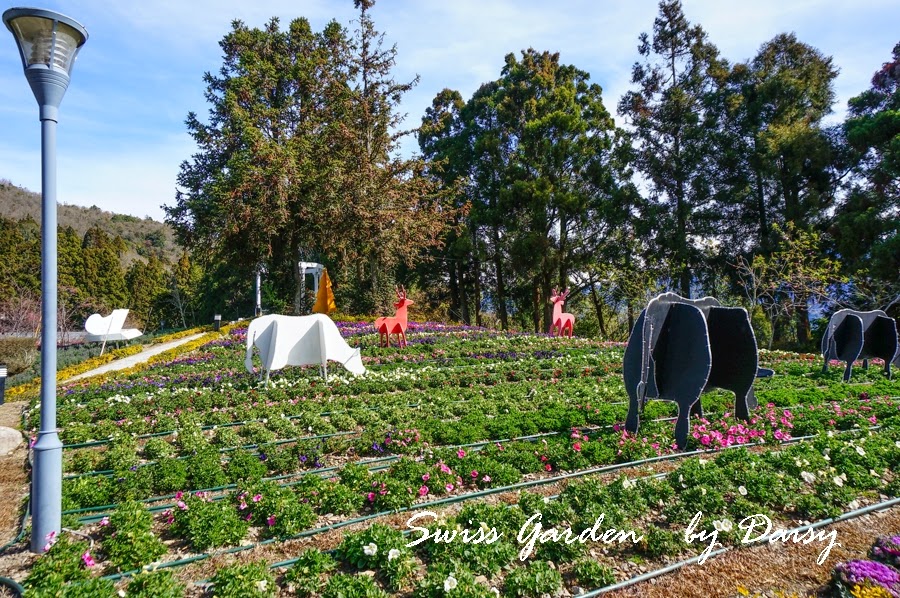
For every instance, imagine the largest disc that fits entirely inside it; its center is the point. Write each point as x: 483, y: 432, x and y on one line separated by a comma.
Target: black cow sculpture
x: 853, y: 335
x: 680, y: 348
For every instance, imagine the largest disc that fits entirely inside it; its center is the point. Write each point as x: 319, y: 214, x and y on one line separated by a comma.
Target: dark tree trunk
x: 454, y: 289
x: 598, y: 307
x: 803, y: 332
x: 463, y: 294
x: 476, y: 269
x: 501, y: 284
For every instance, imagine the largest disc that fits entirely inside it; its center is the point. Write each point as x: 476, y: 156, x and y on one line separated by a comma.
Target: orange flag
x: 325, y: 298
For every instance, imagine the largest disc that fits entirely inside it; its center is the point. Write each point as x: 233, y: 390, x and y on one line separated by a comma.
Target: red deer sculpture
x: 561, y: 322
x: 396, y: 325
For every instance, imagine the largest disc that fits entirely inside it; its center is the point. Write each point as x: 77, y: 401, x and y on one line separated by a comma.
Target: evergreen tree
x: 146, y: 282
x: 866, y: 226
x: 673, y: 134
x: 103, y: 278
x: 297, y: 158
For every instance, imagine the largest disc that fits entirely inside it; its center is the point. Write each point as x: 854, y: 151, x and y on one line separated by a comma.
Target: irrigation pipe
x: 108, y: 440
x: 439, y: 502
x: 475, y: 445
x: 12, y: 585
x: 803, y: 528
x: 110, y: 472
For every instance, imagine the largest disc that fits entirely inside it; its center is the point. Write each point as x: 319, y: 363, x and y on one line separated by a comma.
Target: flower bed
x: 191, y: 455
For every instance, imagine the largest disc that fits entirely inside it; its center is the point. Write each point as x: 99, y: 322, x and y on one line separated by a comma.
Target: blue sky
x: 122, y: 137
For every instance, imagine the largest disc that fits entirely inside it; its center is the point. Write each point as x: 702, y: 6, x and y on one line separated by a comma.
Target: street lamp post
x: 48, y: 43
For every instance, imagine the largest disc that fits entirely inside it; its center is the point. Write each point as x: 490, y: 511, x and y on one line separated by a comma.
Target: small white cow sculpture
x: 299, y: 340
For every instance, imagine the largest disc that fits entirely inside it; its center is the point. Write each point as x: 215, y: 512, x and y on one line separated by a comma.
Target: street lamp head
x: 48, y: 44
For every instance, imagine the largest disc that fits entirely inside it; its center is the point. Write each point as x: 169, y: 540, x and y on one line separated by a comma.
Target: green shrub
x: 129, y: 542
x: 207, y: 524
x: 169, y: 475
x: 158, y: 448
x: 352, y: 586
x: 305, y: 575
x: 591, y: 574
x: 533, y: 580
x: 156, y: 584
x: 88, y: 491
x: 380, y: 548
x: 62, y: 564
x: 451, y: 580
x: 245, y: 466
x: 241, y: 581
x: 205, y: 469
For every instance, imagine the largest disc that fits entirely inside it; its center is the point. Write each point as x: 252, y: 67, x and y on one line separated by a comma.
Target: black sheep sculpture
x: 680, y: 348
x: 853, y: 335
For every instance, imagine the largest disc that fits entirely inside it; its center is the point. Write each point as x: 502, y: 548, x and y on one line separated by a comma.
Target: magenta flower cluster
x: 872, y: 573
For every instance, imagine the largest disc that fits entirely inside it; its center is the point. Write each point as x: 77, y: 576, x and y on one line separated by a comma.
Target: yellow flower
x: 869, y: 591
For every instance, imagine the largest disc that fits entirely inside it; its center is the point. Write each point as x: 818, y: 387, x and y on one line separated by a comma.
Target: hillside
x: 142, y: 236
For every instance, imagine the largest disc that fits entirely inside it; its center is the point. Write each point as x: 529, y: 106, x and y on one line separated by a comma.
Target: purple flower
x: 859, y: 572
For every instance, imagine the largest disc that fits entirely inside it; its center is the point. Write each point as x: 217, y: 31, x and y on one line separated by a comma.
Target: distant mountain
x: 143, y: 236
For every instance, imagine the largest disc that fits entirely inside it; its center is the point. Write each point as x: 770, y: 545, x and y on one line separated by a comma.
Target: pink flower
x: 577, y: 446
x: 426, y: 477
x: 460, y: 453
x: 548, y: 467
x: 271, y: 520
x: 88, y: 559
x: 242, y: 506
x: 423, y: 490
x: 474, y: 474
x: 248, y: 516
x: 486, y: 478
x: 180, y: 504
x: 449, y: 487
x: 575, y: 433
x: 371, y: 496
x: 444, y: 468
x: 257, y: 498
x: 873, y: 419
x: 179, y: 495
x: 104, y: 522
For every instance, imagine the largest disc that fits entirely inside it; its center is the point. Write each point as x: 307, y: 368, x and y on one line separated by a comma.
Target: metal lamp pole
x: 48, y: 44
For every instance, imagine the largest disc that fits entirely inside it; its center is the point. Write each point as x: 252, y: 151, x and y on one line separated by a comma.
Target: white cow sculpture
x: 299, y: 340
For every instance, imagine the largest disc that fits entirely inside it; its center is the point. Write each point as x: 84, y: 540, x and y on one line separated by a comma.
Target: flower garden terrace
x: 461, y: 415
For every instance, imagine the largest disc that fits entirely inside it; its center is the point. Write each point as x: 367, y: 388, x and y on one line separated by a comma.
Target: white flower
x: 838, y: 481
x: 724, y: 525
x: 809, y: 478
x: 742, y: 491
x: 626, y: 484
x: 393, y: 553
x: 897, y: 444
x: 702, y: 491
x: 546, y: 500
x: 370, y: 549
x: 874, y: 473
x: 860, y: 451
x: 121, y: 593
x: 826, y: 457
x: 261, y: 585
x: 495, y: 591
x: 450, y: 583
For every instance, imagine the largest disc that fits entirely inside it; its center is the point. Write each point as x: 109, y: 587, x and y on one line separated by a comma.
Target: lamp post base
x: 46, y: 489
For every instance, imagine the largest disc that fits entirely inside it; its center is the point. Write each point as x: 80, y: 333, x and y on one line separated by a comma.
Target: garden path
x: 132, y: 360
